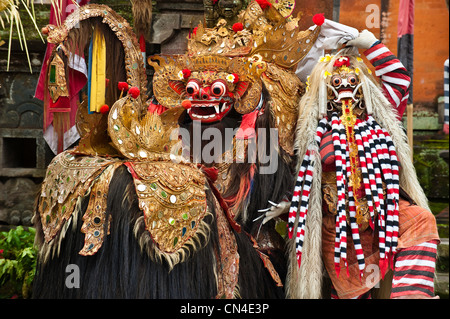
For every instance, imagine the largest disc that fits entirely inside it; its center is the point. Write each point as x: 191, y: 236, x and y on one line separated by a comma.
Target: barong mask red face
x: 210, y: 95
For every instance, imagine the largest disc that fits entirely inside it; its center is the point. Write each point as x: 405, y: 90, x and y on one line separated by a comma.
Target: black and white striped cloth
x: 378, y: 161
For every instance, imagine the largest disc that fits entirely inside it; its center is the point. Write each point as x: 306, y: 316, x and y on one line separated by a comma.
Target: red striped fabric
x: 414, y: 270
x: 327, y: 151
x: 394, y: 76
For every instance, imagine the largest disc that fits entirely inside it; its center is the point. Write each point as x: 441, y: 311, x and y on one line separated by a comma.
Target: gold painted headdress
x: 263, y: 48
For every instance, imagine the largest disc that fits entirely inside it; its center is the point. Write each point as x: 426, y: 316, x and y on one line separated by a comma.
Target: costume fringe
x: 52, y: 249
x: 386, y: 116
x: 196, y: 242
x: 142, y: 17
x: 306, y: 282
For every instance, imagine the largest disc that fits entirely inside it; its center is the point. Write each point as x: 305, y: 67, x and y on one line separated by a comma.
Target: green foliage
x: 17, y: 262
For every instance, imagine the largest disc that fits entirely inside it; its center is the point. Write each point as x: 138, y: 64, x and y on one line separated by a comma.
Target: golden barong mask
x: 208, y: 86
x: 262, y: 49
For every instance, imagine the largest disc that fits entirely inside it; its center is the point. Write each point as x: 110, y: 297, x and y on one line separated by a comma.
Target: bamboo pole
x: 409, y: 127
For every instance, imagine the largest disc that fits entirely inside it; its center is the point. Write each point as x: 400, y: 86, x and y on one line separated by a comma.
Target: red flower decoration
x: 343, y: 60
x: 238, y: 27
x: 134, y: 92
x: 104, y: 109
x: 264, y: 4
x: 123, y: 86
x: 194, y: 31
x: 318, y: 19
x: 186, y: 73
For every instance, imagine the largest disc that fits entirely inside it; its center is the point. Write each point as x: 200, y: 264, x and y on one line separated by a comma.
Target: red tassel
x: 134, y: 92
x: 299, y: 258
x: 122, y: 86
x: 104, y: 109
x: 186, y: 73
x: 337, y: 268
x: 186, y: 104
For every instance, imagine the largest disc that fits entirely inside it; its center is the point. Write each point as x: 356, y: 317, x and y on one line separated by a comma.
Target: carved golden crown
x: 266, y: 32
x: 263, y: 47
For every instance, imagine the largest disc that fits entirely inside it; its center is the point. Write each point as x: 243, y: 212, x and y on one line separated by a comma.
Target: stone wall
x: 24, y: 154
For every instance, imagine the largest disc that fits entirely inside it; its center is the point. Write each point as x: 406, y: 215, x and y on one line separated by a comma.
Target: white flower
x: 181, y: 75
x: 230, y: 78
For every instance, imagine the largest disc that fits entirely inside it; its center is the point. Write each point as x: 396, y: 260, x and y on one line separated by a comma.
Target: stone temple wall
x: 24, y: 154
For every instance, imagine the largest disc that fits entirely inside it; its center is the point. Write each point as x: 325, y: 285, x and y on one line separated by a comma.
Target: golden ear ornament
x: 57, y: 84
